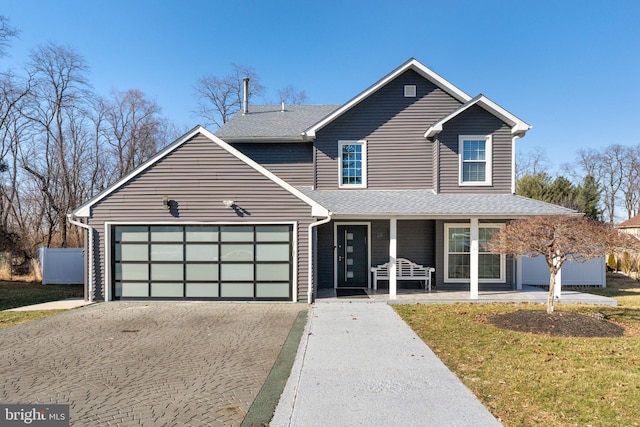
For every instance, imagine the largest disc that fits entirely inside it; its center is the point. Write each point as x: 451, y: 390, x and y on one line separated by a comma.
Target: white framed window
x: 410, y: 91
x: 474, y: 153
x: 352, y: 164
x: 457, y: 261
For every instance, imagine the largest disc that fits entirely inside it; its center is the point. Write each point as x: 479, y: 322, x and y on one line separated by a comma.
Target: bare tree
x: 630, y: 186
x: 292, y: 96
x: 58, y: 113
x: 558, y: 239
x: 221, y: 97
x: 7, y: 32
x: 131, y: 128
x: 533, y: 163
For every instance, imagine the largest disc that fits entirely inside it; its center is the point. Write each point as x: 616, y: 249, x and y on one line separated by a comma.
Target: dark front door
x: 353, y: 263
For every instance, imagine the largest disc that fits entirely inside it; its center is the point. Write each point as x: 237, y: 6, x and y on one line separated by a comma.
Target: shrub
x: 612, y: 264
x: 626, y: 263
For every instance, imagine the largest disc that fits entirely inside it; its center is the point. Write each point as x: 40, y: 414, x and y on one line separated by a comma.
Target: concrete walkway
x: 65, y: 304
x: 359, y: 364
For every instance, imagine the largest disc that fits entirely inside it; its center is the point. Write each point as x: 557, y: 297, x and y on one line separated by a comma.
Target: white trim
x: 85, y: 209
x: 503, y: 263
x: 412, y: 64
x: 110, y: 224
x: 518, y: 127
x: 474, y: 252
x: 363, y: 143
x: 513, y: 165
x: 335, y: 252
x: 393, y: 256
x: 488, y: 160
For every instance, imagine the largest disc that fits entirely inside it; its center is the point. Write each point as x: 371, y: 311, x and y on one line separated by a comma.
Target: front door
x: 352, y: 252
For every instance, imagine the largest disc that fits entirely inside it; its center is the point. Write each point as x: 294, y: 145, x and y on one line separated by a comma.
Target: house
x: 630, y: 226
x: 284, y: 201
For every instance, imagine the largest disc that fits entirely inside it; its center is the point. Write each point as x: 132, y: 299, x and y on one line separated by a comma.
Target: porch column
x: 393, y: 252
x: 473, y: 265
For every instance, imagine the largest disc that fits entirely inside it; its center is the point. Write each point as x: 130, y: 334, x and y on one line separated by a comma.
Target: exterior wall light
x: 165, y: 203
x: 228, y: 203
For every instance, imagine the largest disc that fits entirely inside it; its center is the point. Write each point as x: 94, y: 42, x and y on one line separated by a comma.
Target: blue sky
x: 569, y: 68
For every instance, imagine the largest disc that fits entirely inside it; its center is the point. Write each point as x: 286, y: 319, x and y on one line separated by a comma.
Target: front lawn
x: 19, y: 294
x: 12, y: 318
x: 528, y: 379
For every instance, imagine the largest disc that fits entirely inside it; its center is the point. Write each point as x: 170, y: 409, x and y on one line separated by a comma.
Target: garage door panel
x: 202, y: 290
x: 167, y: 290
x: 167, y: 272
x: 269, y: 272
x: 273, y: 290
x: 203, y: 261
x: 199, y: 272
x: 236, y: 290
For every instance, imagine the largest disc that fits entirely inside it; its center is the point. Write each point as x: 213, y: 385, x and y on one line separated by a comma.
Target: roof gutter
x: 310, y: 255
x: 89, y: 229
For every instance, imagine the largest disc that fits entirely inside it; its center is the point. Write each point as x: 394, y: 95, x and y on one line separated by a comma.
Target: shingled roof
x: 426, y: 202
x: 271, y: 123
x: 633, y: 222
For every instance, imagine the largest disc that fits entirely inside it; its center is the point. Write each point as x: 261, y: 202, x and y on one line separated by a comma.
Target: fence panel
x: 61, y: 266
x: 588, y: 273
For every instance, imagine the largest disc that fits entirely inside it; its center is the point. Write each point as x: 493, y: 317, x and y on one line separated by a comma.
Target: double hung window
x: 475, y: 160
x: 353, y: 164
x: 491, y: 266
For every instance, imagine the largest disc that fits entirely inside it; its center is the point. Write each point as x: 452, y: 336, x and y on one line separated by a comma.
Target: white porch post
x: 474, y: 250
x: 393, y: 252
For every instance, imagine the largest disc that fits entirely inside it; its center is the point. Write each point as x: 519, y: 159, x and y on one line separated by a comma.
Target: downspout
x: 310, y: 255
x: 90, y: 250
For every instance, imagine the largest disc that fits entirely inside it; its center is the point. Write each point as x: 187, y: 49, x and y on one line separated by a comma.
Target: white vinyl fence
x: 61, y: 266
x: 534, y: 271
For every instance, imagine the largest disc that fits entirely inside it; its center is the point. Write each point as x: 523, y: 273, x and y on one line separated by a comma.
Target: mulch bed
x: 558, y: 324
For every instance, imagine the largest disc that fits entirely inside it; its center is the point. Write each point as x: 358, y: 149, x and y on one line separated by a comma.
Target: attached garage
x: 203, y: 261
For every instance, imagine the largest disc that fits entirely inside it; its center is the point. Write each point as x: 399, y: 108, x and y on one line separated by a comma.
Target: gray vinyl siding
x: 475, y: 121
x: 292, y: 162
x: 416, y: 241
x: 398, y: 154
x: 197, y: 177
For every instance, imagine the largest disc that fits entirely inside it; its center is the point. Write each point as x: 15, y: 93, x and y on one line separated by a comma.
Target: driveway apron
x: 359, y: 364
x: 132, y: 363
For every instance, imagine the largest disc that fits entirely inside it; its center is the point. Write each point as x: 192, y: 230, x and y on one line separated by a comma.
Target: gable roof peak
x: 410, y: 64
x: 518, y: 127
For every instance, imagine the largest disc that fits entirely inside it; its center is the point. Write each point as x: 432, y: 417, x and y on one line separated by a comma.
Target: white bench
x: 405, y: 270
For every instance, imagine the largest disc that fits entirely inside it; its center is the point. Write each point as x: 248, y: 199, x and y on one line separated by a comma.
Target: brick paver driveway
x: 126, y: 363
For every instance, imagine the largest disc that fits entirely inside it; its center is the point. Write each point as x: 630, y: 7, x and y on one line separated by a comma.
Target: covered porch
x: 528, y: 294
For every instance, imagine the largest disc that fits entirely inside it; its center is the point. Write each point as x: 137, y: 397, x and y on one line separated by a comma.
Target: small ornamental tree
x: 560, y: 238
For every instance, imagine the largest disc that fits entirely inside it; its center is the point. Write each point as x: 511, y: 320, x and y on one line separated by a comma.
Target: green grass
x: 18, y: 294
x: 12, y: 318
x: 526, y: 379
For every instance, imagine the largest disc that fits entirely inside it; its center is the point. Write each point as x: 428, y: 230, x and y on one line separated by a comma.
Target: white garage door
x: 234, y: 262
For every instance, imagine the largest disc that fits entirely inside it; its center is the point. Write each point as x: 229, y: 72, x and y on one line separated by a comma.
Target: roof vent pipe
x: 245, y: 103
x: 282, y: 107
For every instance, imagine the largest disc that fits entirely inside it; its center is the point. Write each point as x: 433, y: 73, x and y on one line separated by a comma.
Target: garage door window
x: 212, y: 262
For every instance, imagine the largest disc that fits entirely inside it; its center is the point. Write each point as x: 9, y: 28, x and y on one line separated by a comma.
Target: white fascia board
x: 85, y: 210
x: 410, y: 64
x: 518, y: 127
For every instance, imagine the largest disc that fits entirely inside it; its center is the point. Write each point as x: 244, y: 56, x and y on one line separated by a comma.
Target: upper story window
x: 475, y: 160
x: 353, y: 164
